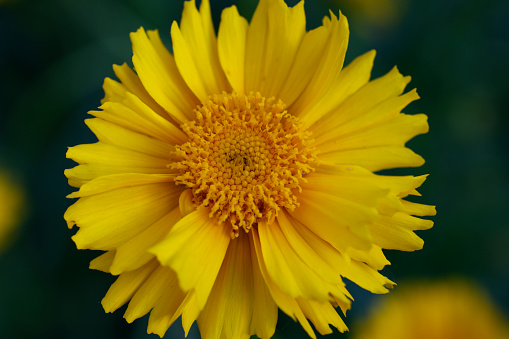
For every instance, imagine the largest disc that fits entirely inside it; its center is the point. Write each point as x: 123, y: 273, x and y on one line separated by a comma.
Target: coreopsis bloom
x: 449, y: 309
x: 381, y: 13
x: 235, y: 177
x: 12, y: 207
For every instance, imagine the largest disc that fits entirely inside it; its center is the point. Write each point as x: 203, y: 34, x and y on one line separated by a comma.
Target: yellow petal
x: 411, y: 223
x: 167, y: 309
x: 255, y: 46
x: 186, y: 204
x: 286, y: 28
x: 170, y: 130
x: 132, y: 84
x: 376, y: 158
x: 356, y: 271
x: 160, y: 77
x: 101, y: 159
x: 103, y: 262
x: 400, y: 186
x: 418, y: 209
x: 374, y: 257
x: 161, y: 280
x: 304, y: 251
x: 389, y: 205
x: 362, y: 101
x: 116, y: 135
x: 101, y: 153
x: 195, y: 49
x: 133, y: 114
x: 109, y: 219
x: 82, y: 174
x: 321, y: 315
x: 337, y: 220
x: 384, y: 113
x: 134, y: 252
x: 306, y: 62
x: 110, y: 182
x: 195, y: 241
x: 395, y: 132
x: 329, y: 65
x: 229, y: 308
x: 285, y: 267
x: 346, y: 186
x: 190, y: 311
x: 263, y: 322
x: 395, y: 232
x: 344, y: 307
x: 286, y: 303
x: 350, y: 79
x: 125, y: 286
x: 231, y: 44
x: 328, y: 168
x: 186, y: 65
x: 113, y: 91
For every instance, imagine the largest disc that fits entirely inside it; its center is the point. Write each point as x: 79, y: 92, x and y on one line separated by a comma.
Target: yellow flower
x: 449, y: 309
x: 236, y: 176
x: 11, y: 207
x: 383, y: 13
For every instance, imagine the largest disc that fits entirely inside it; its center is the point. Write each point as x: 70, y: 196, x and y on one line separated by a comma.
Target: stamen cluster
x: 245, y: 158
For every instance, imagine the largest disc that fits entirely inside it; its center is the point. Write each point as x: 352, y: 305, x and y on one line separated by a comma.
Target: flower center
x: 245, y: 158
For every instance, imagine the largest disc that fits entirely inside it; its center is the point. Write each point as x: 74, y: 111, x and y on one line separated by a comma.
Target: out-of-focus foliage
x: 56, y: 53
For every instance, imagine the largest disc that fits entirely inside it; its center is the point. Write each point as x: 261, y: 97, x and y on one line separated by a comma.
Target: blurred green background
x: 54, y: 55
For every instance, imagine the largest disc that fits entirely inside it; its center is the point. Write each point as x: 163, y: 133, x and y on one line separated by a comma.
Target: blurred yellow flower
x: 376, y: 12
x: 11, y: 204
x: 236, y: 176
x: 449, y: 309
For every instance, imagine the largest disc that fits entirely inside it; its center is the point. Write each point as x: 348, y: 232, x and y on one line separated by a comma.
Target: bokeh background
x: 54, y: 55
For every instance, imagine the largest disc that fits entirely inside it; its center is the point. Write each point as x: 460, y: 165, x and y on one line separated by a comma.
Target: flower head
x: 438, y: 310
x: 235, y: 177
x: 12, y: 208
